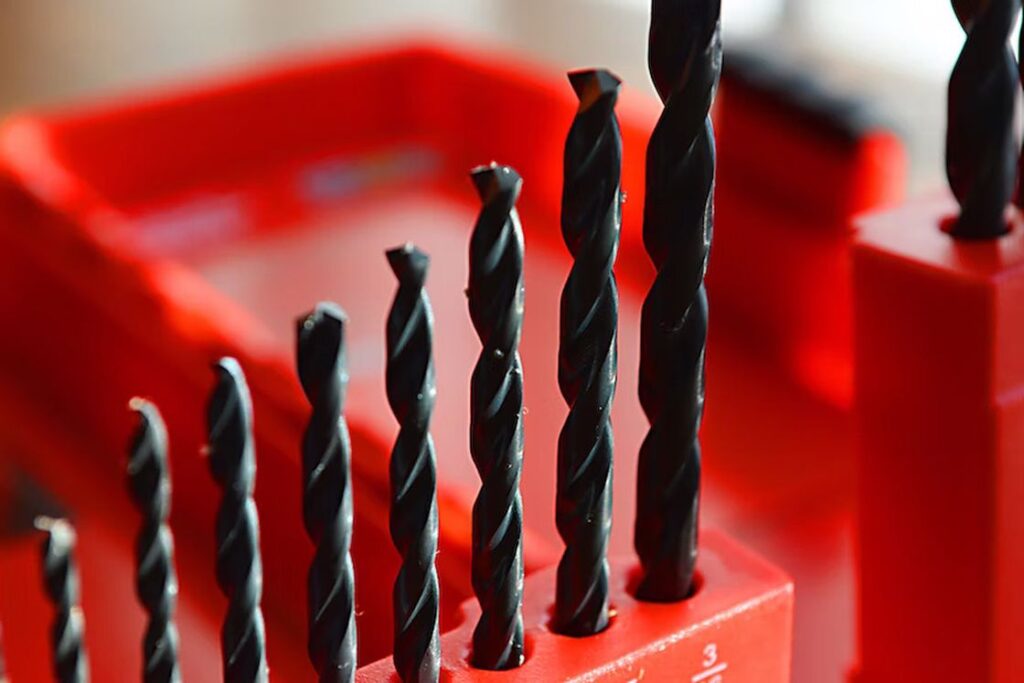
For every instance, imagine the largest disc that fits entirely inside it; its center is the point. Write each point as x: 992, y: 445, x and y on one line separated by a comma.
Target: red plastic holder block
x: 940, y: 405
x: 737, y: 628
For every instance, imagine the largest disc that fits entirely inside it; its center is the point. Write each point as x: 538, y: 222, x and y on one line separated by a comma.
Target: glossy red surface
x: 940, y: 406
x: 737, y: 627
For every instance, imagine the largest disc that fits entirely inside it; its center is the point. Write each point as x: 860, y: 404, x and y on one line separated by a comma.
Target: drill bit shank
x: 60, y: 578
x: 496, y: 418
x: 327, y: 494
x: 981, y: 146
x: 685, y: 62
x: 411, y: 395
x: 156, y: 582
x: 587, y: 359
x: 232, y: 462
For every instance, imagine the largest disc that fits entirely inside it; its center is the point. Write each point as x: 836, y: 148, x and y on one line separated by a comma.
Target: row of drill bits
x: 983, y: 153
x: 685, y: 63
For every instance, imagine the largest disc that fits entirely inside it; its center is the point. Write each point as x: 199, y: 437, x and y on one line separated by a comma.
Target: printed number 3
x: 710, y: 655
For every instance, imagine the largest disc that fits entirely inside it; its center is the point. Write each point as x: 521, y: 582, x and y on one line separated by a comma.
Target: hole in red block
x: 528, y: 643
x: 633, y: 582
x: 550, y: 623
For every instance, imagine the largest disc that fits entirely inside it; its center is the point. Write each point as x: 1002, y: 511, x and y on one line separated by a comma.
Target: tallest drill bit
x: 411, y: 394
x: 587, y: 354
x: 239, y: 566
x: 685, y: 58
x: 981, y: 147
x: 496, y: 418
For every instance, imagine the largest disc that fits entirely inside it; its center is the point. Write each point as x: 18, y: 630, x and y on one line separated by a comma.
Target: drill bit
x: 587, y: 354
x: 496, y: 418
x: 981, y: 147
x: 156, y: 582
x: 327, y: 494
x: 3, y: 662
x: 685, y: 59
x: 232, y: 462
x: 411, y: 395
x: 60, y: 578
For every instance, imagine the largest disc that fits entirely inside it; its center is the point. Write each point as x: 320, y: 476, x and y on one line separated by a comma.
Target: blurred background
x: 894, y: 55
x: 895, y: 52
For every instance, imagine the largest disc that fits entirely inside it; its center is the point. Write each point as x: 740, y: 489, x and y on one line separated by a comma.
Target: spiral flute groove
x: 411, y: 395
x: 495, y: 294
x: 981, y: 147
x: 685, y: 59
x: 232, y: 462
x: 587, y: 358
x: 327, y: 494
x: 156, y: 581
x: 60, y: 578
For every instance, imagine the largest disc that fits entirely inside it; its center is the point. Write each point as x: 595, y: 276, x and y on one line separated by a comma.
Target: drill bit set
x: 685, y: 63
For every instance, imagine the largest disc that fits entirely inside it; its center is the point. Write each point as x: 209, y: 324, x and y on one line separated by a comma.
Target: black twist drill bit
x: 327, y: 494
x: 3, y: 662
x: 685, y: 58
x: 411, y: 395
x: 1020, y: 164
x: 232, y: 462
x: 496, y: 418
x: 587, y: 353
x: 156, y: 582
x: 60, y: 578
x: 981, y: 147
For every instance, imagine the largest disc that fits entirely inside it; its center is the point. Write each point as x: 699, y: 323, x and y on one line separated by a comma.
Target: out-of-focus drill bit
x: 588, y: 354
x: 232, y: 462
x: 981, y: 147
x: 685, y: 59
x: 1020, y: 162
x: 496, y: 418
x: 60, y: 577
x: 3, y: 662
x: 327, y: 494
x: 156, y: 581
x: 411, y: 395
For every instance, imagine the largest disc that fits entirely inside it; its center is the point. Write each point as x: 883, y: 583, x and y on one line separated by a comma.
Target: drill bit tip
x: 321, y: 338
x: 150, y: 427
x: 409, y: 264
x: 493, y: 180
x: 62, y: 534
x: 590, y: 85
x: 229, y: 408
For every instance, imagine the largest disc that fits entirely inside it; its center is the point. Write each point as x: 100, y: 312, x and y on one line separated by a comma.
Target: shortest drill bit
x: 3, y: 662
x: 60, y: 577
x: 327, y: 493
x: 411, y: 393
x: 156, y: 581
x: 232, y: 461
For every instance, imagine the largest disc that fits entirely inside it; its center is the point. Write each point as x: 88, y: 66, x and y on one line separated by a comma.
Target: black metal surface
x: 588, y: 353
x: 685, y: 58
x: 495, y: 294
x: 232, y: 462
x: 156, y: 581
x: 60, y: 578
x: 982, y: 150
x: 411, y: 395
x: 327, y: 493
